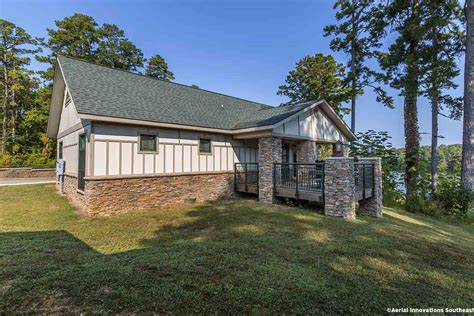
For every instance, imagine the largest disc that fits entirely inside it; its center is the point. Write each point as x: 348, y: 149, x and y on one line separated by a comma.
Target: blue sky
x: 241, y: 48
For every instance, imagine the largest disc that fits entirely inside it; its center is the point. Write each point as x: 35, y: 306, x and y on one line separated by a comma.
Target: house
x: 132, y: 142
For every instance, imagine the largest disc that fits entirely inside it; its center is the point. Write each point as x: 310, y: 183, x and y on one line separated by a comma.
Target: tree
x: 14, y: 45
x: 381, y: 147
x: 116, y: 51
x: 402, y: 69
x: 317, y: 77
x: 353, y: 36
x: 444, y: 43
x: 158, y: 68
x: 32, y: 128
x: 75, y: 36
x: 80, y: 36
x: 467, y: 172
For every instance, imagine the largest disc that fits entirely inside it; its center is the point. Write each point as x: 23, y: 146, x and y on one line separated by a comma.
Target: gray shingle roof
x: 99, y: 90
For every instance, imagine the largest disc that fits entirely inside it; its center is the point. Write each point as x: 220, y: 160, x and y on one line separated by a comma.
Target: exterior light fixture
x: 338, y: 146
x: 369, y: 150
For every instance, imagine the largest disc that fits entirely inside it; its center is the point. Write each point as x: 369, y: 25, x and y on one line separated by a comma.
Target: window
x: 68, y: 100
x: 60, y: 150
x: 204, y: 146
x: 147, y: 142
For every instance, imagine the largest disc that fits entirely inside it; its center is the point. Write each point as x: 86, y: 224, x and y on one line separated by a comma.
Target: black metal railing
x: 246, y: 177
x: 364, y: 179
x: 299, y: 176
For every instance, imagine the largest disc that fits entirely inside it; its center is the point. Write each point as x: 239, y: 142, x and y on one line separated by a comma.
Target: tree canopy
x: 158, y: 68
x: 317, y: 77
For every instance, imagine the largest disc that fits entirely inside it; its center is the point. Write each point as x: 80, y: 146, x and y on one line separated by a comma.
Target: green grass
x: 235, y: 256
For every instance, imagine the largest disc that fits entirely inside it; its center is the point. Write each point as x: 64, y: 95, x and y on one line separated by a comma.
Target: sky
x: 241, y: 48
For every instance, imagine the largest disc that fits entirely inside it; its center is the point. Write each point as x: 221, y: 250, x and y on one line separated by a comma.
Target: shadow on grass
x: 241, y: 256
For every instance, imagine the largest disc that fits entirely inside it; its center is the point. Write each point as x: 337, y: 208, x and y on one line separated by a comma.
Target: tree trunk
x: 13, y: 116
x: 412, y: 136
x: 3, y: 144
x: 353, y: 71
x: 467, y: 166
x: 434, y: 142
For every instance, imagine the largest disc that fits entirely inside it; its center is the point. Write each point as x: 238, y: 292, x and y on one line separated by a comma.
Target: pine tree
x: 317, y: 77
x: 467, y: 170
x: 158, y: 68
x: 116, y: 51
x: 15, y: 45
x: 401, y: 64
x: 80, y: 36
x: 444, y: 42
x: 353, y: 36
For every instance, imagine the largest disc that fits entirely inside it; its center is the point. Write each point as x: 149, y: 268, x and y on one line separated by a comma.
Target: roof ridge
x: 170, y: 82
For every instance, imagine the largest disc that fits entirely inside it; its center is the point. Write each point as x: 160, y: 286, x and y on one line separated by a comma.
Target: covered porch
x: 289, y: 168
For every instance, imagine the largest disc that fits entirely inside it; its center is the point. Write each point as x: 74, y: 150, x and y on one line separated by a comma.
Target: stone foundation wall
x: 111, y: 196
x: 373, y: 205
x: 70, y: 190
x: 269, y: 152
x: 339, y: 187
x: 10, y: 173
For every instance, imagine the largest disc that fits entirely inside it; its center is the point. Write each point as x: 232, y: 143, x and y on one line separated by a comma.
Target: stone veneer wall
x: 269, y: 152
x: 70, y: 190
x: 373, y: 205
x: 110, y: 196
x: 9, y: 173
x: 306, y: 152
x: 339, y: 187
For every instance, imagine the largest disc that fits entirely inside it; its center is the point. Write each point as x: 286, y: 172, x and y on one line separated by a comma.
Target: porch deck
x: 301, y: 181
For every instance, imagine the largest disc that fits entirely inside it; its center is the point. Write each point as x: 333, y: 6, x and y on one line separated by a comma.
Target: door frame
x: 81, y: 175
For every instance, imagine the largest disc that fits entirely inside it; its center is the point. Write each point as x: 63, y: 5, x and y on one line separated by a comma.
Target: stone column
x: 339, y: 187
x: 269, y: 152
x: 306, y: 152
x: 373, y: 205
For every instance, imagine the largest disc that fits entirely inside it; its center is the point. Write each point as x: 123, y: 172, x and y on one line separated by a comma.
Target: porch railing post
x: 297, y: 182
x: 322, y: 183
x: 373, y: 180
x: 246, y: 179
x: 363, y: 181
x: 235, y: 176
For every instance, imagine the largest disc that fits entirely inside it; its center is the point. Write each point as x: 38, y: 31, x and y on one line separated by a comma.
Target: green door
x: 81, y: 173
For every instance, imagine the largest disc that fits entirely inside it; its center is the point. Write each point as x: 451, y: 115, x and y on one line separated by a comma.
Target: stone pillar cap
x: 369, y: 158
x: 339, y: 158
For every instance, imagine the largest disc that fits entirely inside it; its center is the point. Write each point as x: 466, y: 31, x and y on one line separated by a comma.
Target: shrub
x: 34, y: 160
x: 452, y: 199
x: 415, y: 204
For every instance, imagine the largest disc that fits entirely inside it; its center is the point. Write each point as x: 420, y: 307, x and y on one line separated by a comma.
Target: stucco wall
x: 116, y: 152
x: 313, y: 124
x: 70, y: 127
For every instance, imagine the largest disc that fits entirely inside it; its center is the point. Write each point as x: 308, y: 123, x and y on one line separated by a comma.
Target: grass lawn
x: 235, y: 256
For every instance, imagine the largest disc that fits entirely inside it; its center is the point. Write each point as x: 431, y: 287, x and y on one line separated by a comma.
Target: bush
x: 454, y: 202
x: 415, y: 204
x: 34, y: 160
x: 452, y: 199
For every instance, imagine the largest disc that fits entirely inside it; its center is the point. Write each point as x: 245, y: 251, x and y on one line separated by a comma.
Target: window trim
x: 140, y: 151
x: 210, y: 146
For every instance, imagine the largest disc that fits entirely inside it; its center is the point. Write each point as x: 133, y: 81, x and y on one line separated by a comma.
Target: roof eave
x: 127, y: 121
x: 55, y: 106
